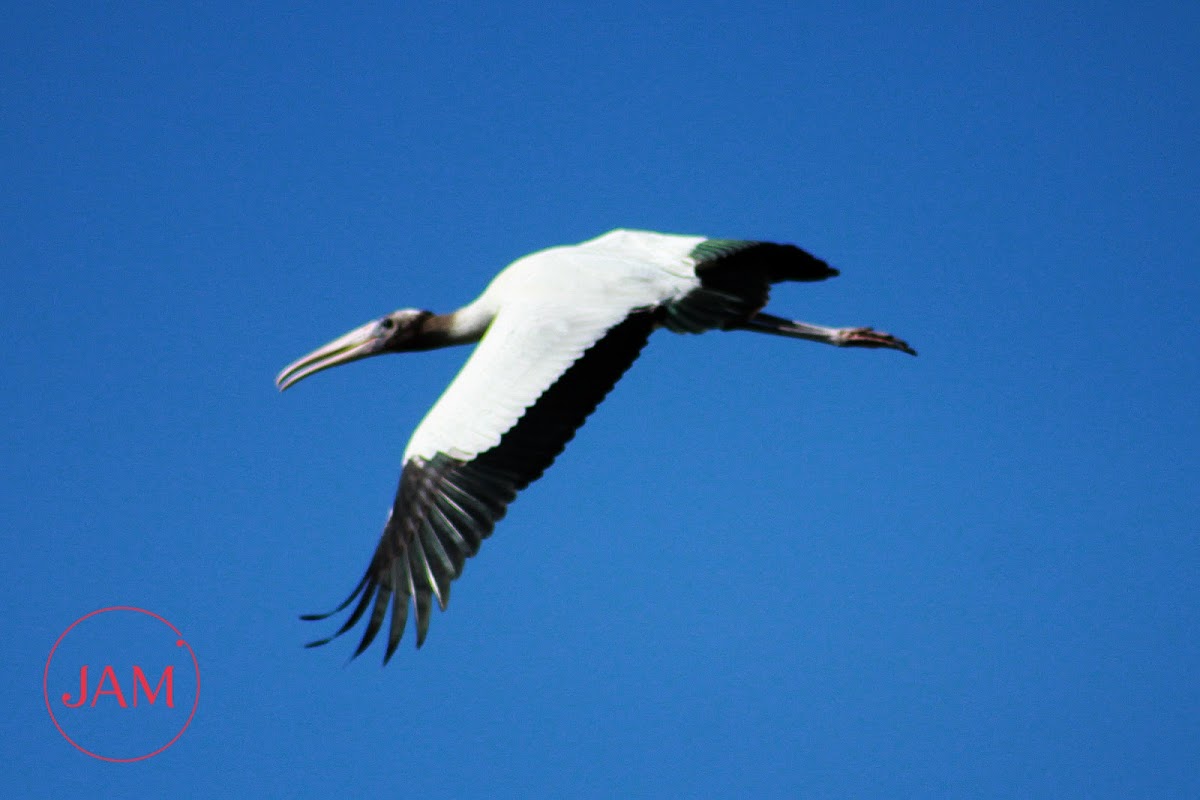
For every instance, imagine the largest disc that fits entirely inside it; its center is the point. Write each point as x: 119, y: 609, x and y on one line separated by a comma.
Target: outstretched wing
x: 532, y: 381
x: 735, y: 279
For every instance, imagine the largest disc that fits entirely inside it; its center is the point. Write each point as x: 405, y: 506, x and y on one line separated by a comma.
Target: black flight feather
x: 446, y: 507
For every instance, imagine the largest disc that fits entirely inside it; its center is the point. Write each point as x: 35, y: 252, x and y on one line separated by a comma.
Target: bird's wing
x: 536, y: 375
x: 735, y: 278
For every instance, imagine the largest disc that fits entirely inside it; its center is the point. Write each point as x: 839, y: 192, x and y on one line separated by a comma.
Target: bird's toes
x: 869, y: 337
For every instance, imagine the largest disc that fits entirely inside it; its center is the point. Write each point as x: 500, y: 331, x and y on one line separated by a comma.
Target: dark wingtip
x: 375, y: 623
x: 342, y: 606
x: 354, y: 617
x: 362, y: 646
x: 319, y: 642
x: 424, y: 611
x: 809, y: 268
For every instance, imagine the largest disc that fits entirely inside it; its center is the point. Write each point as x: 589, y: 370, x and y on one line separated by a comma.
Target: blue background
x: 764, y: 567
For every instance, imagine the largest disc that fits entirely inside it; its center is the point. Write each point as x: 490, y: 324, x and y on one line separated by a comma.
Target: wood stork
x: 556, y: 330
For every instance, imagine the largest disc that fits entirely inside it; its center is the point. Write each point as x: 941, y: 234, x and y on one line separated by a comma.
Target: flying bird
x: 555, y: 331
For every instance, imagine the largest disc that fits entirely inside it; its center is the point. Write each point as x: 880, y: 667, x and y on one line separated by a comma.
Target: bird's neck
x: 465, y: 326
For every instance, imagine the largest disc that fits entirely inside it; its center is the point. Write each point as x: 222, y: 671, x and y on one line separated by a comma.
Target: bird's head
x: 394, y: 333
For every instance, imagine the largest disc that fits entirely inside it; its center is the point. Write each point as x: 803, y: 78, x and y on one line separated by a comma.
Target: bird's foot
x: 868, y: 337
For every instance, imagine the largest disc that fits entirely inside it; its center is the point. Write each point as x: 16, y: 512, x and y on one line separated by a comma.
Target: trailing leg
x: 840, y: 337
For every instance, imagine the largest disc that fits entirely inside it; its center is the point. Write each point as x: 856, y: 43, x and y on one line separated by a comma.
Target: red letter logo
x: 98, y: 690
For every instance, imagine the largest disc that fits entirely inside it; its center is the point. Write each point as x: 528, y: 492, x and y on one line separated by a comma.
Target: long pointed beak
x: 363, y: 341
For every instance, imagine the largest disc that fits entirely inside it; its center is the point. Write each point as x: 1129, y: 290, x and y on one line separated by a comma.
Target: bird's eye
x: 387, y: 323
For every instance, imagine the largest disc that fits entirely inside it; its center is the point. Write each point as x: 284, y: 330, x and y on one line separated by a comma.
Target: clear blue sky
x: 764, y: 567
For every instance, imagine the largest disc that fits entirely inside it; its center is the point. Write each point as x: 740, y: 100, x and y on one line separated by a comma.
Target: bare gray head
x: 399, y: 331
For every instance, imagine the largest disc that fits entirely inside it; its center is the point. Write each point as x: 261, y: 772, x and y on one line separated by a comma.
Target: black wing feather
x: 735, y: 282
x: 446, y: 507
